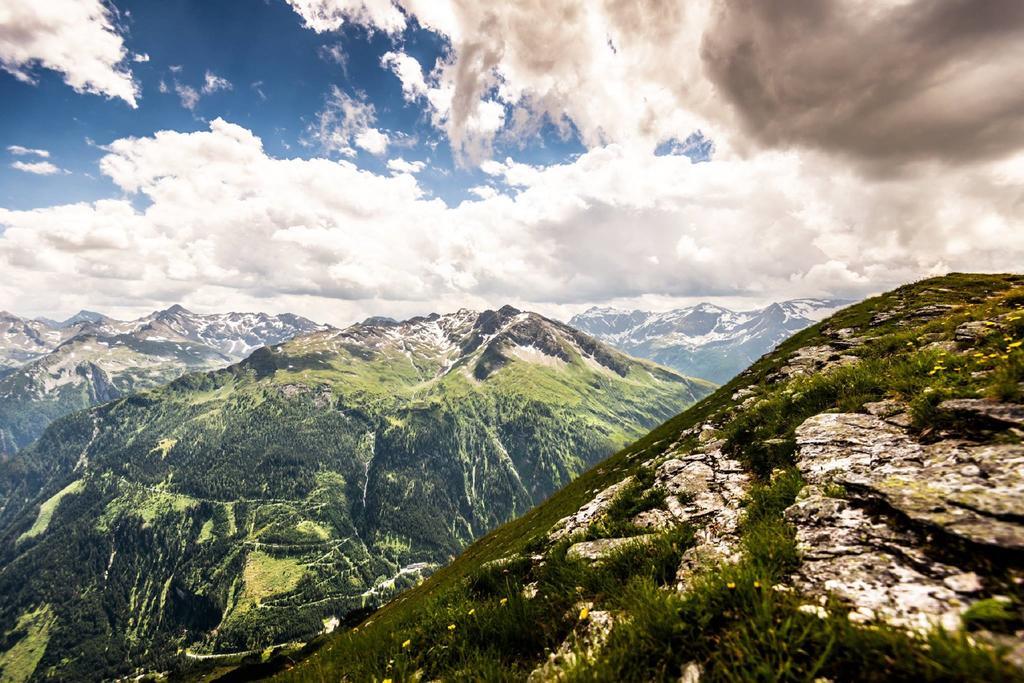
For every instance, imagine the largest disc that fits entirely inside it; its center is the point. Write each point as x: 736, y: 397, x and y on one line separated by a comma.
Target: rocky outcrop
x: 595, y: 551
x: 972, y: 492
x: 582, y: 519
x: 889, y: 547
x: 813, y: 359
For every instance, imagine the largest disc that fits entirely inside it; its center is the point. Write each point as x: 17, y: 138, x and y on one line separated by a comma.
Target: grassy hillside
x: 516, y: 596
x: 236, y: 512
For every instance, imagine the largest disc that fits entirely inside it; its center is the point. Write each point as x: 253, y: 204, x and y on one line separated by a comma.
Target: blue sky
x: 345, y: 158
x: 280, y: 74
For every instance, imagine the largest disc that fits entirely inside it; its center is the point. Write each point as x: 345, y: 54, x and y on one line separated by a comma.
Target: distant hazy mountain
x: 704, y: 340
x: 53, y: 368
x: 250, y: 506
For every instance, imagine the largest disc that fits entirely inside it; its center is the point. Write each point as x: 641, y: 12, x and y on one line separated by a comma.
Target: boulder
x: 595, y: 551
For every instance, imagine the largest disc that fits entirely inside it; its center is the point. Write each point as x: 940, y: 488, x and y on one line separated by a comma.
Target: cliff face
x: 848, y: 508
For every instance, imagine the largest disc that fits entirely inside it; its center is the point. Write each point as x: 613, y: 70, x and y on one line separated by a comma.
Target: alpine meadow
x: 562, y: 340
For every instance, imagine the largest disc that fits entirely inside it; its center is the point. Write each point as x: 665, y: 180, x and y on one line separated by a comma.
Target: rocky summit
x: 848, y: 508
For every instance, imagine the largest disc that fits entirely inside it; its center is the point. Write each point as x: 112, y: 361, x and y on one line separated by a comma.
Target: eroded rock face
x: 849, y: 555
x: 586, y: 515
x: 874, y: 549
x: 705, y: 489
x: 584, y: 642
x: 1006, y: 414
x: 974, y: 492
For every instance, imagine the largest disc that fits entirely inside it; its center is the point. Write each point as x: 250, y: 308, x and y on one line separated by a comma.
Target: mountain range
x: 246, y: 508
x: 49, y: 369
x: 849, y: 508
x: 705, y: 340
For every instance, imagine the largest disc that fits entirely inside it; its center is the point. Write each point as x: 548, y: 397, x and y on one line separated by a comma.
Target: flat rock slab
x: 595, y: 551
x: 972, y: 492
x: 1008, y: 414
x: 878, y: 570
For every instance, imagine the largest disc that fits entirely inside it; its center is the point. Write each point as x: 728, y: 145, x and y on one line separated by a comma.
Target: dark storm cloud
x: 881, y: 81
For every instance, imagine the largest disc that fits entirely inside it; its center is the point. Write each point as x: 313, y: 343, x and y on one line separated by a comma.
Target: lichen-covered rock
x: 588, y: 513
x: 973, y: 492
x: 1006, y: 414
x: 595, y: 551
x: 970, y: 332
x: 875, y: 568
x: 812, y: 359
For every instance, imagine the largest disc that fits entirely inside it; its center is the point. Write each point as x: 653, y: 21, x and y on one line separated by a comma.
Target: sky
x: 346, y: 158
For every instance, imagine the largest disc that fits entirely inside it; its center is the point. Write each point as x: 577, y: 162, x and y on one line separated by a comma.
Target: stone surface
x: 813, y: 359
x: 970, y: 332
x: 1006, y: 414
x: 594, y: 551
x: 876, y: 569
x: 587, y: 514
x: 972, y: 492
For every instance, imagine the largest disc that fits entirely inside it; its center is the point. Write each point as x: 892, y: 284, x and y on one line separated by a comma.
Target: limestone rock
x: 812, y: 359
x: 876, y: 569
x: 585, y: 641
x: 1005, y: 414
x: 970, y: 332
x: 587, y: 514
x: 595, y: 551
x: 975, y: 493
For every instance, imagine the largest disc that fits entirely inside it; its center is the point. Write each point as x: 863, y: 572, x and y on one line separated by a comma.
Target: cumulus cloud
x: 402, y: 166
x: 329, y: 15
x: 615, y: 222
x: 37, y: 167
x: 77, y: 38
x: 18, y: 150
x: 887, y: 84
x: 347, y: 122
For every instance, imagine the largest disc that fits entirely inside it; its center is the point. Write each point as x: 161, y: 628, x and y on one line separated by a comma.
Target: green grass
x: 730, y: 620
x: 19, y: 662
x: 48, y: 507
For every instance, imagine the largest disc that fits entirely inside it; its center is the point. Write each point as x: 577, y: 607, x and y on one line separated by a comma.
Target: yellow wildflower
x: 757, y: 585
x: 1014, y: 344
x: 451, y: 627
x: 731, y: 585
x: 584, y: 613
x: 503, y: 602
x: 386, y: 680
x: 472, y: 611
x: 407, y: 644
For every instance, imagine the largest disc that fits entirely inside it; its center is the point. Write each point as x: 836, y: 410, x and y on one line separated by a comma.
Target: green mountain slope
x: 241, y: 509
x: 849, y: 508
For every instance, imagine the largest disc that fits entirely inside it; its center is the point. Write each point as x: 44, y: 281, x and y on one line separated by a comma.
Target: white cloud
x: 188, y: 95
x: 402, y: 166
x: 18, y: 150
x: 38, y: 167
x: 347, y: 122
x: 77, y: 38
x: 409, y: 72
x: 337, y: 240
x: 373, y: 141
x: 140, y: 57
x: 212, y: 83
x: 329, y: 15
